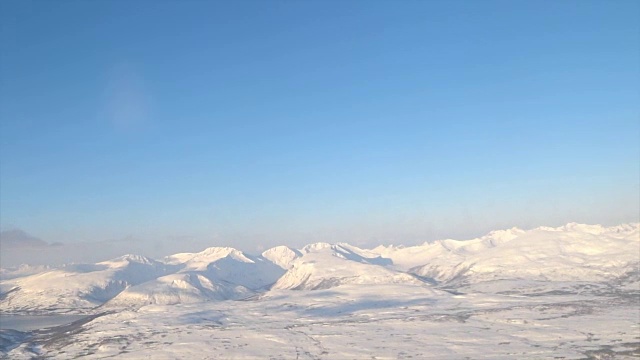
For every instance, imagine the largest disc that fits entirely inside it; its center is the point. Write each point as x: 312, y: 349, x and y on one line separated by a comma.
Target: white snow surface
x: 570, y: 252
x: 213, y: 274
x: 282, y: 256
x: 569, y: 292
x: 324, y: 266
x: 78, y: 287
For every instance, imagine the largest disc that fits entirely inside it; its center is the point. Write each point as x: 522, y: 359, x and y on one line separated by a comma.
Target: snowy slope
x: 573, y: 252
x: 200, y: 260
x: 213, y: 274
x: 217, y: 273
x: 453, y: 251
x: 180, y: 288
x: 81, y: 286
x: 398, y: 321
x: 229, y: 264
x: 568, y: 292
x: 22, y: 271
x: 282, y: 256
x: 571, y: 256
x: 323, y: 266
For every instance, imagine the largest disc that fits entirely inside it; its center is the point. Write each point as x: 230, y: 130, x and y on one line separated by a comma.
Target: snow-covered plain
x: 571, y: 292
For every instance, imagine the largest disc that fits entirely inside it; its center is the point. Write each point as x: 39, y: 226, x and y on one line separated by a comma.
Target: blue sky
x: 255, y: 123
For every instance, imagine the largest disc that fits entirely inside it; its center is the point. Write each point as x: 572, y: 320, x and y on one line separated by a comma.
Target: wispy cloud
x: 128, y: 102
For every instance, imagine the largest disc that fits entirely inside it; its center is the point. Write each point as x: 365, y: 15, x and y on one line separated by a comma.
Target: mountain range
x: 513, y: 260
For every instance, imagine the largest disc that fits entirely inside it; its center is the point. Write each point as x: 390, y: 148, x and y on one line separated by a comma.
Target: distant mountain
x: 324, y: 265
x: 19, y: 239
x: 573, y: 252
x: 230, y: 265
x: 22, y: 271
x: 282, y: 256
x: 509, y: 261
x: 79, y: 286
x: 217, y: 273
x: 179, y: 288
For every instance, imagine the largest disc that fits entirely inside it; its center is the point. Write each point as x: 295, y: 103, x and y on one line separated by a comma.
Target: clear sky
x: 256, y: 123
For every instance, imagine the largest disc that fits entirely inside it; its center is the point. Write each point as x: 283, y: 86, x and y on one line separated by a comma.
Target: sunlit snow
x: 571, y: 292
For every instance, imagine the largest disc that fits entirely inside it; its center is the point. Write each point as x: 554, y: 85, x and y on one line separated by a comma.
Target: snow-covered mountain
x: 78, y: 286
x: 516, y: 258
x: 179, y: 288
x: 323, y: 266
x: 282, y: 256
x: 22, y: 271
x: 217, y: 273
x: 573, y: 252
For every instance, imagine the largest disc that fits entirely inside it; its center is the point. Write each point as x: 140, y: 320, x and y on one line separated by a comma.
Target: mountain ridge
x: 572, y: 252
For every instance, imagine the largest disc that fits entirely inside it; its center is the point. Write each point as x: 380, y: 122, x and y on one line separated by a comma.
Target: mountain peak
x: 128, y: 259
x: 316, y: 247
x: 281, y: 255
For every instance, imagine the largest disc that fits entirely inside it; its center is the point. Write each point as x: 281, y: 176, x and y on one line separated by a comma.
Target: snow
x: 324, y: 266
x: 569, y: 253
x: 78, y: 287
x: 353, y: 321
x: 211, y: 275
x: 568, y: 292
x: 200, y: 261
x: 178, y: 288
x: 21, y: 271
x: 282, y: 256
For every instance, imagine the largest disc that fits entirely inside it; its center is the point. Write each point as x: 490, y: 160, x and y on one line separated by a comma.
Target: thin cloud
x: 127, y: 99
